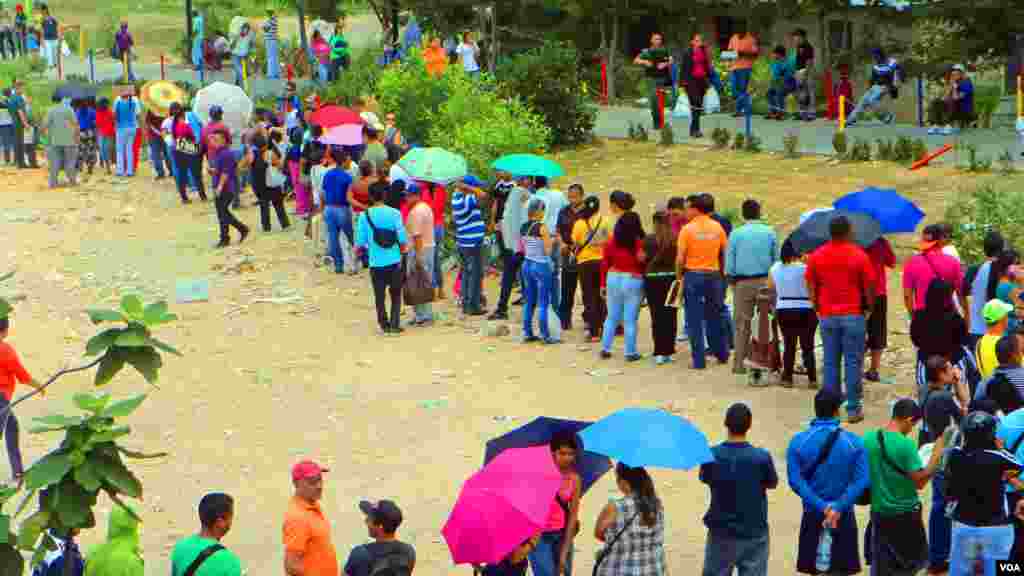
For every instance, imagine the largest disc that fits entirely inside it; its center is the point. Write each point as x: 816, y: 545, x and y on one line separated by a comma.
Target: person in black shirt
x: 805, y: 87
x: 386, y: 554
x: 567, y: 218
x: 658, y: 64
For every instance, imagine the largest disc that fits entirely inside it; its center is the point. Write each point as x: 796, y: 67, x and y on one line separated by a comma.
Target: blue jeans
x: 472, y: 277
x: 337, y: 219
x: 544, y: 558
x: 702, y: 294
x: 722, y: 554
x: 174, y: 168
x: 325, y: 72
x: 870, y: 100
x: 537, y: 291
x: 843, y: 338
x: 236, y: 62
x: 740, y: 83
x: 104, y: 144
x: 940, y: 528
x: 125, y: 157
x: 197, y: 52
x: 158, y: 156
x: 777, y: 100
x: 425, y: 312
x: 625, y: 292
x: 273, y: 66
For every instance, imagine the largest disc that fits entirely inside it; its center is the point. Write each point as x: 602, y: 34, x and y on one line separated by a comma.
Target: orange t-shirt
x: 436, y: 60
x: 11, y: 371
x: 307, y: 531
x: 744, y: 44
x: 700, y: 245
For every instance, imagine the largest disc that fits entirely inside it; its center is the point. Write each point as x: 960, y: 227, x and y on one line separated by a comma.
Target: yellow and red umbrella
x: 158, y: 95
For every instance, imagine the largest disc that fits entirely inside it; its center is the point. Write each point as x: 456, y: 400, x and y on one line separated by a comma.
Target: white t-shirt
x: 790, y: 286
x: 468, y: 54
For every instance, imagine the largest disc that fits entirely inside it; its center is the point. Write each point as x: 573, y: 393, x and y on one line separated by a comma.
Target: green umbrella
x: 434, y: 165
x: 528, y: 165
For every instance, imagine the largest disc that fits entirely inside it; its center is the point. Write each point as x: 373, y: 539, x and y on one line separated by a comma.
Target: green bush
x: 547, y: 78
x: 407, y: 91
x: 668, y: 135
x: 753, y: 144
x: 903, y: 150
x: 637, y: 132
x: 839, y: 144
x: 885, y: 150
x: 739, y: 141
x: 918, y: 150
x: 988, y: 207
x: 359, y: 81
x: 720, y: 138
x: 974, y: 162
x: 1006, y: 163
x: 861, y: 151
x: 791, y: 144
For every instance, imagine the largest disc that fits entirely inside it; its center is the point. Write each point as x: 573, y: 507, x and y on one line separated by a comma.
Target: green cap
x: 995, y: 310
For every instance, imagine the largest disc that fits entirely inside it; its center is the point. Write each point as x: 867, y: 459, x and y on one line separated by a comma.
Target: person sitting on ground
x: 956, y: 107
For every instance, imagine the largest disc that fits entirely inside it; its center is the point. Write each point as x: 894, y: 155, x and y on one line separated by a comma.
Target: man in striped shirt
x: 270, y: 39
x: 469, y: 235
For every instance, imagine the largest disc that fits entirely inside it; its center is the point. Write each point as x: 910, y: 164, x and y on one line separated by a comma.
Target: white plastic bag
x: 682, y: 109
x: 712, y: 103
x: 65, y: 50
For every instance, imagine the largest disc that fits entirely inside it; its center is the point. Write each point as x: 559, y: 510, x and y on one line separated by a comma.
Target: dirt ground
x: 263, y: 385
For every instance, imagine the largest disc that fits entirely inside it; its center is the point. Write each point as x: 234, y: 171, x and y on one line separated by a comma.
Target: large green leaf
x: 109, y: 435
x: 31, y: 528
x: 11, y: 561
x: 133, y: 337
x: 6, y: 493
x: 146, y: 360
x: 112, y: 363
x: 5, y: 528
x: 100, y: 342
x: 140, y: 455
x: 163, y: 346
x: 156, y: 314
x: 48, y: 470
x: 54, y: 422
x: 74, y: 506
x: 98, y: 315
x: 87, y: 476
x: 7, y: 276
x: 131, y: 305
x: 123, y: 408
x: 117, y: 477
x: 94, y: 403
x: 5, y: 309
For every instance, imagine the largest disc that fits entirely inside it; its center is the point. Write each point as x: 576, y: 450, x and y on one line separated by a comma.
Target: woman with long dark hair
x: 796, y: 315
x: 589, y: 236
x: 186, y: 153
x: 552, y: 555
x: 622, y: 277
x: 632, y: 528
x: 660, y: 257
x: 939, y: 330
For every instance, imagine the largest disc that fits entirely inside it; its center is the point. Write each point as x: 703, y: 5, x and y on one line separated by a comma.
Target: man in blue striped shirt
x: 270, y: 40
x: 469, y: 236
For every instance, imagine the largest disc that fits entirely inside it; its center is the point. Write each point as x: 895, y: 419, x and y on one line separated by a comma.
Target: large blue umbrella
x: 894, y: 213
x: 647, y: 437
x: 528, y: 165
x: 589, y: 465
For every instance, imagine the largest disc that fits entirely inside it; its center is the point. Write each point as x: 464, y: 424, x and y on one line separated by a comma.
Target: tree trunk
x: 494, y: 37
x: 188, y: 23
x: 326, y: 10
x: 393, y: 10
x: 613, y: 48
x: 303, y: 41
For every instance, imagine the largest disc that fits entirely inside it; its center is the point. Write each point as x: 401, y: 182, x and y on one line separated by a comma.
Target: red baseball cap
x: 307, y: 469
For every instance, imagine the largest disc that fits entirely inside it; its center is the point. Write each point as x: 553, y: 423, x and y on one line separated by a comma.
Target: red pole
x: 604, y: 80
x: 163, y: 68
x: 291, y: 72
x: 661, y: 108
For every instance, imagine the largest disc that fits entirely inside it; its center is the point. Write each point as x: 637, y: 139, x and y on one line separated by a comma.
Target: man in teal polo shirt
x: 216, y: 512
x: 751, y: 251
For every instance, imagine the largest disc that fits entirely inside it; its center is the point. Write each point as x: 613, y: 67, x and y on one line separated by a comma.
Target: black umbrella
x: 76, y: 91
x: 814, y: 231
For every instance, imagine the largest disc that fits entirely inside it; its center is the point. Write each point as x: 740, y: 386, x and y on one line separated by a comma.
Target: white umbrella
x: 232, y: 99
x: 325, y: 28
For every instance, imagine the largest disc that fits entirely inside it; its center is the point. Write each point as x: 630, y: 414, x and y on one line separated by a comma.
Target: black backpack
x: 383, y: 237
x: 389, y: 559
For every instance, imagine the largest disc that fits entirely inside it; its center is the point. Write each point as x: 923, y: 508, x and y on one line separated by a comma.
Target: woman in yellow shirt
x: 589, y: 235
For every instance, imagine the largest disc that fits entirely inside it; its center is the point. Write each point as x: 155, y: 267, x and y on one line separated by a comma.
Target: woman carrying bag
x: 632, y: 528
x: 698, y: 71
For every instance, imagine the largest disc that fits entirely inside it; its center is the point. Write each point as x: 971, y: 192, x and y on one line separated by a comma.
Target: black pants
x: 568, y: 297
x: 695, y: 90
x: 594, y: 310
x: 266, y: 197
x: 798, y: 325
x: 664, y: 320
x: 226, y: 219
x: 7, y: 44
x: 189, y: 163
x: 511, y: 263
x: 387, y: 278
x: 22, y: 150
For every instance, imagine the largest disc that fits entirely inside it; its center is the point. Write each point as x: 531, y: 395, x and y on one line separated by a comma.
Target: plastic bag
x: 682, y: 109
x: 65, y: 50
x: 712, y: 103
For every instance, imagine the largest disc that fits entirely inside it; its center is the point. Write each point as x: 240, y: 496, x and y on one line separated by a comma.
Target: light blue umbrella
x: 528, y: 165
x: 647, y: 437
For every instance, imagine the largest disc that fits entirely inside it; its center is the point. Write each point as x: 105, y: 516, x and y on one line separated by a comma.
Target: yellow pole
x: 842, y: 113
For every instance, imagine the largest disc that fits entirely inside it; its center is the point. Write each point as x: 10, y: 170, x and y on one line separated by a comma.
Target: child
x: 783, y: 83
x: 12, y: 372
x: 536, y: 244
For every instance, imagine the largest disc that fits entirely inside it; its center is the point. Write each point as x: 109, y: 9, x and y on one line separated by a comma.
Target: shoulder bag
x: 383, y: 237
x: 206, y: 553
x: 604, y: 551
x: 574, y: 253
x: 825, y: 451
x: 865, y: 498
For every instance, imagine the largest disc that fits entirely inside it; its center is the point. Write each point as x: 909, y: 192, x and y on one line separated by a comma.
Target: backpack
x: 391, y: 560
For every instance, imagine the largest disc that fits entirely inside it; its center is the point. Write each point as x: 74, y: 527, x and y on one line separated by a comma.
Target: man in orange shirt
x: 11, y: 372
x: 699, y: 264
x: 308, y: 550
x: 744, y: 44
x: 435, y: 58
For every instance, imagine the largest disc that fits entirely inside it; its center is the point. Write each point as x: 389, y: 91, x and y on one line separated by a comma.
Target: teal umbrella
x: 528, y: 165
x: 434, y: 165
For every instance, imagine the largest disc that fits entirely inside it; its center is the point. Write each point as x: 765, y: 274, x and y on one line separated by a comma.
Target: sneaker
x: 530, y: 339
x: 633, y: 357
x: 947, y: 130
x: 605, y: 355
x: 872, y: 376
x: 934, y: 130
x: 498, y: 315
x: 682, y: 338
x: 550, y: 341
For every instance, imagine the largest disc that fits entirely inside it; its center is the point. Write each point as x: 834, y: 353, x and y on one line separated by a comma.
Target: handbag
x: 418, y: 286
x: 604, y: 551
x: 712, y: 101
x: 682, y: 109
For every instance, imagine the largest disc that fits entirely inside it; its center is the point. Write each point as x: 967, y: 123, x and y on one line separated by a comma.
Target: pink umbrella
x: 502, y: 505
x: 343, y: 135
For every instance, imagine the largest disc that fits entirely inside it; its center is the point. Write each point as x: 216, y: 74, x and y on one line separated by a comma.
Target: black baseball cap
x: 384, y: 512
x: 906, y: 408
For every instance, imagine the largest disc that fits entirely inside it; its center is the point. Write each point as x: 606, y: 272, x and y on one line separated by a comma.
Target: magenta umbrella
x: 343, y: 135
x: 503, y: 505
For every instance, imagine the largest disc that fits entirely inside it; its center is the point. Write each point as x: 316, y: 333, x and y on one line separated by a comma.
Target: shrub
x: 720, y: 138
x: 739, y: 141
x: 547, y: 79
x: 839, y: 144
x: 637, y: 132
x: 885, y: 150
x: 861, y: 151
x: 407, y: 91
x: 668, y: 136
x: 918, y: 150
x: 791, y: 144
x: 753, y: 144
x: 988, y: 207
x: 903, y: 150
x: 975, y: 163
x: 359, y: 81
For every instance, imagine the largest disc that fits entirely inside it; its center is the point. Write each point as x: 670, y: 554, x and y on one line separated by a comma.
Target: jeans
x: 7, y: 141
x: 273, y: 66
x: 472, y: 277
x: 437, y: 271
x: 50, y: 52
x: 544, y: 558
x: 940, y: 528
x: 777, y: 100
x: 125, y: 151
x: 425, y: 312
x: 695, y: 91
x: 338, y: 219
x: 537, y: 291
x: 798, y: 325
x: 702, y: 295
x: 197, y: 52
x: 190, y: 167
x: 23, y: 150
x: 871, y: 99
x: 236, y: 63
x: 512, y: 261
x: 387, y: 278
x: 62, y: 158
x: 272, y: 196
x: 226, y: 219
x: 325, y: 72
x: 106, y: 146
x: 157, y: 154
x: 971, y: 543
x: 722, y: 554
x: 843, y: 339
x: 556, y: 275
x: 10, y: 428
x: 625, y: 292
x: 740, y: 83
x: 806, y: 93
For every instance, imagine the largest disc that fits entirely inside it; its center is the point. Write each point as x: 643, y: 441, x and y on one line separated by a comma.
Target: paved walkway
x: 814, y: 137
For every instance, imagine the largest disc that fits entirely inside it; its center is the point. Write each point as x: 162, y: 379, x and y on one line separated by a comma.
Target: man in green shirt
x: 898, y: 545
x: 658, y: 63
x: 339, y: 50
x: 16, y: 105
x: 216, y: 512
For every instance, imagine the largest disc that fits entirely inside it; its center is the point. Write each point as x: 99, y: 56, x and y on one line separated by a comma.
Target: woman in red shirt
x: 622, y: 280
x: 105, y: 133
x: 438, y: 200
x: 697, y: 70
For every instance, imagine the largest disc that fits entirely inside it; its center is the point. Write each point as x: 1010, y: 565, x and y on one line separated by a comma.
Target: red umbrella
x: 330, y: 116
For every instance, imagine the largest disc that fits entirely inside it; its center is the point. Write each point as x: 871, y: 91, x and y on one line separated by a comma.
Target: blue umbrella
x: 894, y: 213
x: 589, y: 465
x: 646, y: 437
x: 528, y: 165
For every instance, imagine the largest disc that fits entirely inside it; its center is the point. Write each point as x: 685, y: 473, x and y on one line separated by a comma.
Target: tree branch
x: 3, y: 413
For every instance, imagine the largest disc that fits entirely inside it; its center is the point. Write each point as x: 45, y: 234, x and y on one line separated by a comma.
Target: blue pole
x: 92, y: 67
x: 920, y: 101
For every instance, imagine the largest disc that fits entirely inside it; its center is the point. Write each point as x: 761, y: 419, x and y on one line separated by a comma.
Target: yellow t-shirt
x: 582, y: 229
x: 987, y: 361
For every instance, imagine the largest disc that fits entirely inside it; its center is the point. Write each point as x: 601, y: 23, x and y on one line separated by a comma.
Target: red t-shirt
x: 621, y: 259
x: 105, y: 123
x: 881, y: 256
x: 438, y: 199
x: 840, y: 274
x: 11, y: 371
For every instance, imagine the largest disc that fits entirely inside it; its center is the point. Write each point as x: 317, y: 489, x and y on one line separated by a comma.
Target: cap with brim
x: 995, y: 310
x: 385, y: 512
x: 905, y: 408
x: 470, y: 180
x: 307, y: 469
x: 959, y: 68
